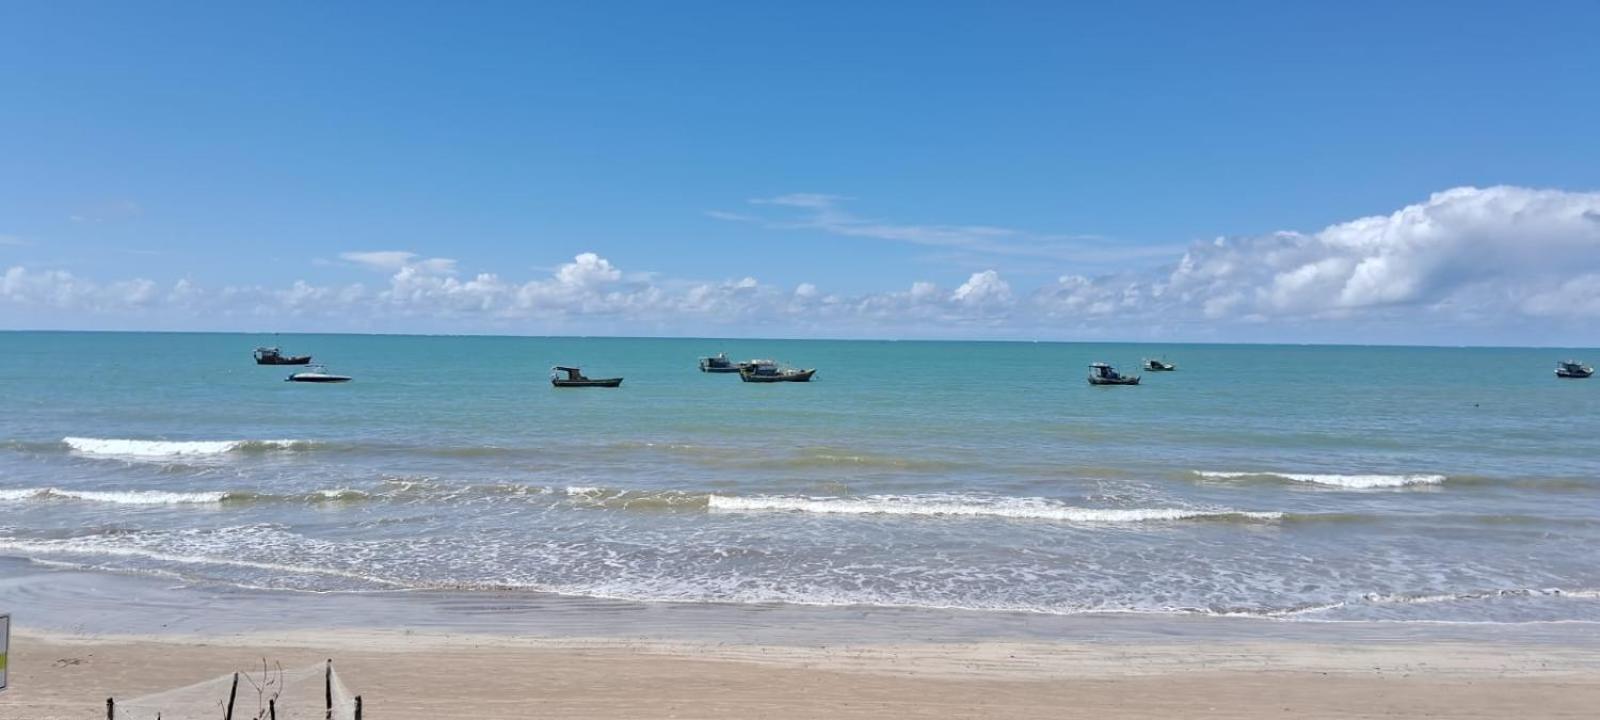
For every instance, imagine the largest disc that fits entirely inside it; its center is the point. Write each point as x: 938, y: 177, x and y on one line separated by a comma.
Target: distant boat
x: 274, y: 356
x: 1573, y: 369
x: 575, y: 378
x: 317, y: 374
x: 1103, y: 374
x: 768, y: 371
x: 718, y: 363
x: 1155, y: 365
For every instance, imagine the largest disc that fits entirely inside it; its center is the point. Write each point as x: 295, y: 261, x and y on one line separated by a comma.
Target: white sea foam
x: 1356, y: 482
x: 120, y: 447
x: 123, y: 497
x: 967, y: 506
x: 86, y: 547
x: 583, y: 490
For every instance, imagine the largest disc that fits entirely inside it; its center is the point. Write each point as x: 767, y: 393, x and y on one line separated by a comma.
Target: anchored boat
x: 1573, y: 369
x: 575, y: 378
x: 1155, y: 365
x: 1103, y: 374
x: 718, y: 363
x: 317, y: 374
x: 768, y: 371
x: 274, y: 356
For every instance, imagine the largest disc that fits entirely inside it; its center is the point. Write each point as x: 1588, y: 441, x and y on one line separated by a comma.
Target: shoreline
x: 75, y: 602
x: 410, y: 675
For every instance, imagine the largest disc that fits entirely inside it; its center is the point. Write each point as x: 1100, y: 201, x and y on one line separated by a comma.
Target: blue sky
x: 855, y: 148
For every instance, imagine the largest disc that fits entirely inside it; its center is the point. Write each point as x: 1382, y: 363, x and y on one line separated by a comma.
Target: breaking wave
x: 968, y: 506
x: 120, y: 447
x: 1354, y: 482
x: 162, y: 497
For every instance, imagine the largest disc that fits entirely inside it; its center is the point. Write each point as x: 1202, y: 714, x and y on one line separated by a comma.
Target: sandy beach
x: 439, y: 676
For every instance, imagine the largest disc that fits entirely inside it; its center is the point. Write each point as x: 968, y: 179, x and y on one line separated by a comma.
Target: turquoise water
x: 1290, y: 483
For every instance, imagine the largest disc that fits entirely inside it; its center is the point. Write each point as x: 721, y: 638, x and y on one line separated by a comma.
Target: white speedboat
x: 317, y: 374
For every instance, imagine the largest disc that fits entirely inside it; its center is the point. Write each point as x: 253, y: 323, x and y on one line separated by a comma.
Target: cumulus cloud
x: 1473, y: 259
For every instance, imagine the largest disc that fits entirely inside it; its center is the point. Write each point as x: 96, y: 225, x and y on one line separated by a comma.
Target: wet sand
x: 406, y: 676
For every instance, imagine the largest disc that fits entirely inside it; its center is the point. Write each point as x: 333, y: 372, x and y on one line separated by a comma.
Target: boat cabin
x: 1102, y: 370
x: 573, y: 374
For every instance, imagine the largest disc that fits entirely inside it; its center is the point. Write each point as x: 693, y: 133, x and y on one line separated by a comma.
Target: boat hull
x: 296, y: 360
x: 798, y: 376
x: 1118, y: 381
x: 317, y: 379
x: 709, y: 369
x: 1573, y: 375
x: 602, y: 382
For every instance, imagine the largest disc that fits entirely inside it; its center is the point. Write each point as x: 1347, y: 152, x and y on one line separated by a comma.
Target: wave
x: 1432, y: 599
x: 126, y: 497
x: 28, y: 548
x: 162, y: 497
x: 1354, y: 482
x: 967, y: 506
x: 120, y: 447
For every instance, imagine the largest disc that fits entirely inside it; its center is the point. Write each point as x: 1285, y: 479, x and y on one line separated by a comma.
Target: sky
x: 1255, y: 172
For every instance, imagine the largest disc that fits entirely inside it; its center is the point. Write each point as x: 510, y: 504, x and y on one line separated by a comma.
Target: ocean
x: 1279, y: 483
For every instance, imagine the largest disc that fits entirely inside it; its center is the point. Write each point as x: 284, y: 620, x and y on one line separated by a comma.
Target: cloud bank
x: 1465, y: 265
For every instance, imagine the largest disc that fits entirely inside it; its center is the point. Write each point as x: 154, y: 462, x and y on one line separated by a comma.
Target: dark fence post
x: 111, y: 709
x: 358, y: 707
x: 231, y: 695
x: 272, y: 709
x: 327, y: 687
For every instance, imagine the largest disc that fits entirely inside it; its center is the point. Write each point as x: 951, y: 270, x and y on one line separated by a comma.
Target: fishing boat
x: 1573, y: 369
x: 718, y: 363
x: 1154, y: 365
x: 575, y: 378
x: 769, y: 371
x: 317, y: 374
x: 1103, y: 374
x: 274, y: 356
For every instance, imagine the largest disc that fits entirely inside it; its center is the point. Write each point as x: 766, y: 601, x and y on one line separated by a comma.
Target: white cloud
x: 1480, y: 263
x: 825, y: 213
x: 983, y: 289
x: 396, y: 260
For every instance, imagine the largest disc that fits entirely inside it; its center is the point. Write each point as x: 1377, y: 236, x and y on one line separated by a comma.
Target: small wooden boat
x: 1573, y: 369
x: 1103, y: 374
x: 317, y: 374
x: 576, y: 378
x: 768, y: 371
x: 1155, y: 365
x: 274, y: 356
x: 718, y: 363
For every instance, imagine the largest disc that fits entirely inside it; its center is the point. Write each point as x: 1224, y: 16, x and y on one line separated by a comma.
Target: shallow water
x: 1291, y: 483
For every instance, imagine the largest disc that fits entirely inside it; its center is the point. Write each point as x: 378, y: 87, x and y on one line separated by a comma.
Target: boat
x: 1154, y: 365
x: 576, y: 378
x: 274, y: 356
x: 317, y: 374
x: 1103, y: 374
x: 1573, y: 369
x: 718, y: 363
x: 768, y: 371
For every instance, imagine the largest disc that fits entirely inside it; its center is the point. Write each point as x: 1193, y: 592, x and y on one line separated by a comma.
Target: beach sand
x: 438, y: 676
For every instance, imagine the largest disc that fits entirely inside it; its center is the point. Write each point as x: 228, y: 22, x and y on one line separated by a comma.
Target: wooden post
x: 272, y: 709
x: 358, y: 707
x: 111, y: 709
x: 231, y: 695
x: 327, y: 687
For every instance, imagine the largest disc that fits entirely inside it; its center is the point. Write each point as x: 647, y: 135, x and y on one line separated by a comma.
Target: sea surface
x: 1277, y: 483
